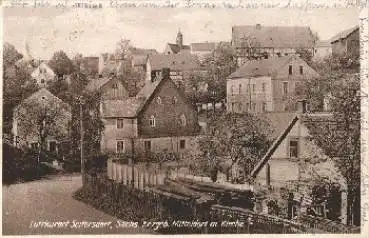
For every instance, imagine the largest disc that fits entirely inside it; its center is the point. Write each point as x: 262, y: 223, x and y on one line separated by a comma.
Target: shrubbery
x: 21, y: 165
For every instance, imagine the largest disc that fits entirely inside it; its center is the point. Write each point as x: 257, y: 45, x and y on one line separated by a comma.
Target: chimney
x: 302, y: 106
x: 165, y: 73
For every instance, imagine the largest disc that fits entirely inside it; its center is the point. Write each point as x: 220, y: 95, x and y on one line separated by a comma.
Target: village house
x: 295, y: 164
x: 347, y: 43
x: 109, y: 87
x: 259, y: 41
x: 182, y: 67
x: 158, y: 119
x: 267, y: 85
x: 42, y: 105
x: 43, y: 74
x: 323, y: 49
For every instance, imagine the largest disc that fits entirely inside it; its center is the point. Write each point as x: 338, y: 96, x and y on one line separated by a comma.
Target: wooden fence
x: 140, y: 176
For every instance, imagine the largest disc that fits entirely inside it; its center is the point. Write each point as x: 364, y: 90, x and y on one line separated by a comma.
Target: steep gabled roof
x: 174, y: 62
x: 288, y: 126
x: 127, y: 108
x: 344, y: 34
x: 97, y: 83
x: 264, y: 67
x: 274, y: 36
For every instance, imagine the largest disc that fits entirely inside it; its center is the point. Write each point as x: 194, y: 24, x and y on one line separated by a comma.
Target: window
x: 182, y: 144
x: 290, y: 70
x: 115, y: 85
x: 158, y: 100
x: 253, y: 87
x: 120, y: 123
x: 147, y: 145
x: 279, y: 54
x: 42, y: 81
x: 183, y: 120
x: 120, y: 146
x: 34, y: 145
x: 52, y: 146
x: 240, y: 89
x: 263, y: 87
x: 285, y: 87
x: 253, y: 107
x: 174, y: 100
x: 233, y: 106
x: 247, y: 107
x: 152, y: 121
x: 232, y: 90
x: 264, y: 107
x: 293, y: 148
x: 301, y: 70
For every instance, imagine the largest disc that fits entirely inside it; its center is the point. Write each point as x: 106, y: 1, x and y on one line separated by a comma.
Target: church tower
x: 179, y: 39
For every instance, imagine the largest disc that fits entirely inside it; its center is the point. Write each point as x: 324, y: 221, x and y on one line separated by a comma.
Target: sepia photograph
x: 181, y: 121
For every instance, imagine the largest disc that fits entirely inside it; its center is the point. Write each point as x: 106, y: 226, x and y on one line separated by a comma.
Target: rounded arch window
x: 174, y: 100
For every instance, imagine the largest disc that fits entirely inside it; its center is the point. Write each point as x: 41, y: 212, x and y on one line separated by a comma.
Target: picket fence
x: 122, y: 173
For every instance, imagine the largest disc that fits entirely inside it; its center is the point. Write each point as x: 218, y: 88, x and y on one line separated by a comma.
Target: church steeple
x: 179, y: 39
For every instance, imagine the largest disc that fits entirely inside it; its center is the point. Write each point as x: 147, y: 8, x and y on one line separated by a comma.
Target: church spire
x: 179, y: 39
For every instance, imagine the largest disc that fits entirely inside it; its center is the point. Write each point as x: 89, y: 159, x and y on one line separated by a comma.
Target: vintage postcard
x: 188, y: 117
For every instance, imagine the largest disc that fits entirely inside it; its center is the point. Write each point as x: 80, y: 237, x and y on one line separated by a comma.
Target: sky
x: 95, y: 31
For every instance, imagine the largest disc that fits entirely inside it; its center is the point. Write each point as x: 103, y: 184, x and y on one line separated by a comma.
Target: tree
x: 18, y: 84
x: 340, y: 135
x: 61, y: 64
x: 43, y: 118
x: 10, y: 54
x: 241, y: 137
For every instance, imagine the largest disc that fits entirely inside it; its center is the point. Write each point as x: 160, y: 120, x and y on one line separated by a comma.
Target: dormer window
x: 152, y: 121
x: 301, y: 69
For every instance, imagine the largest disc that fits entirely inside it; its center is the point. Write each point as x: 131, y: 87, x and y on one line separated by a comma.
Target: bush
x: 97, y: 163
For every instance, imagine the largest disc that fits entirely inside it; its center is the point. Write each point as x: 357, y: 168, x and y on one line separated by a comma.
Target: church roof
x: 204, y: 46
x: 175, y: 48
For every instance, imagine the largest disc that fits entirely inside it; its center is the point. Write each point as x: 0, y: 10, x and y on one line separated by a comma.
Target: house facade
x: 347, y: 43
x: 159, y: 118
x: 43, y: 74
x: 56, y: 116
x: 267, y: 85
x: 252, y: 42
x: 294, y: 164
x: 323, y: 49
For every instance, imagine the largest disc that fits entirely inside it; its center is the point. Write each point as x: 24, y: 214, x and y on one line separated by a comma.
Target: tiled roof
x: 205, y: 46
x: 130, y: 107
x: 97, y: 83
x: 175, y: 48
x: 139, y: 59
x: 274, y: 36
x: 344, y: 34
x: 143, y: 52
x: 173, y: 61
x: 121, y: 108
x: 264, y: 67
